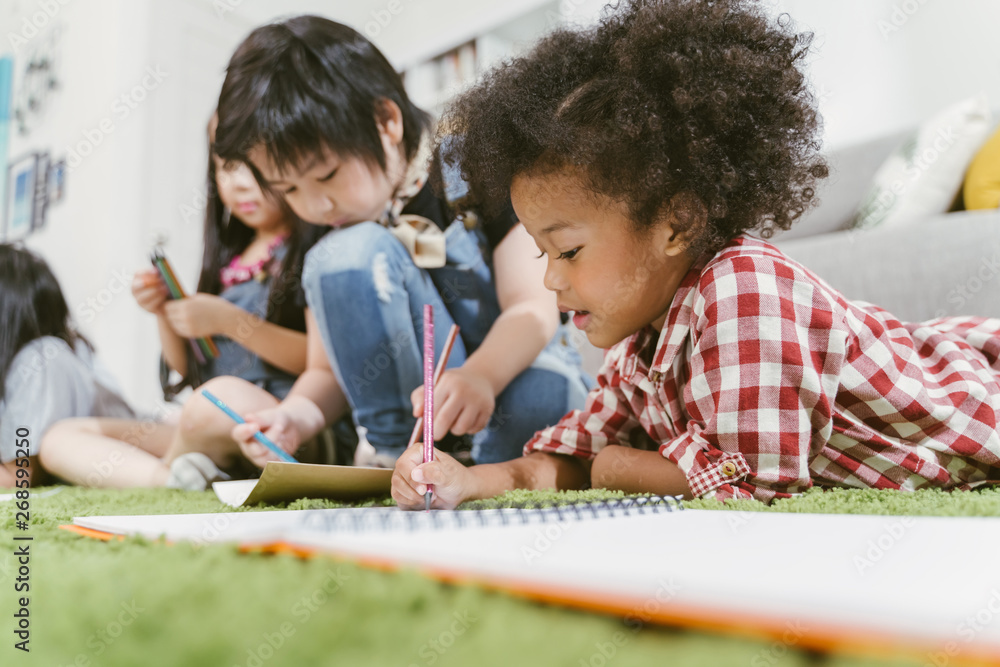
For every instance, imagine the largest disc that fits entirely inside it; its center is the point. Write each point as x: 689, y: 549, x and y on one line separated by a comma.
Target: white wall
x: 870, y: 77
x: 406, y: 31
x: 882, y: 65
x: 90, y: 237
x: 138, y: 82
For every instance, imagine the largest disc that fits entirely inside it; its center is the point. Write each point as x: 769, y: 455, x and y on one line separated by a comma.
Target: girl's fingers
x: 444, y: 419
x: 264, y: 421
x: 420, y: 478
x: 466, y: 421
x: 408, y: 493
x: 404, y: 495
x: 143, y: 280
x: 415, y: 490
x: 417, y: 399
x: 482, y: 422
x: 150, y: 295
x: 256, y: 450
x: 177, y: 317
x: 403, y: 491
x: 244, y: 433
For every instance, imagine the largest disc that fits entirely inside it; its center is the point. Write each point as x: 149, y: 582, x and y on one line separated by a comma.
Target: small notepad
x: 284, y: 482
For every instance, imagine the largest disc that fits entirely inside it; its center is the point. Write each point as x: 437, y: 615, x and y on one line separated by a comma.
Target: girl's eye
x: 569, y: 254
x: 540, y: 255
x: 328, y: 176
x: 289, y: 190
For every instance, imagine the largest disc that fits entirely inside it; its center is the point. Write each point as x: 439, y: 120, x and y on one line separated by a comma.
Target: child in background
x: 48, y: 371
x: 637, y: 155
x: 247, y: 301
x: 325, y: 121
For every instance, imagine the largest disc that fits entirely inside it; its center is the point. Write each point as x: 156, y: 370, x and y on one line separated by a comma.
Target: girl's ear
x: 686, y: 217
x: 389, y: 119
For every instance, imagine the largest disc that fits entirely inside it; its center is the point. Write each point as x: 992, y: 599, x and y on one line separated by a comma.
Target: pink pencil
x: 428, y: 395
x: 442, y: 362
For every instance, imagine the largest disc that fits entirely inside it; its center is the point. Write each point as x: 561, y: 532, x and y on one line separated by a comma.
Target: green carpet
x: 141, y: 603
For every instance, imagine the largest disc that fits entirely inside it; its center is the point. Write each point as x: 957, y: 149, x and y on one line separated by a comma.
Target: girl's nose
x: 241, y: 177
x: 554, y: 279
x: 319, y: 208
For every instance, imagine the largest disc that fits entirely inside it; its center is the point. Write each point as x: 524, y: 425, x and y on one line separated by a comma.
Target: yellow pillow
x: 982, y: 181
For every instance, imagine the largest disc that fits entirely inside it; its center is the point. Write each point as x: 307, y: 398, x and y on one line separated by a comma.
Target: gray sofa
x: 944, y: 264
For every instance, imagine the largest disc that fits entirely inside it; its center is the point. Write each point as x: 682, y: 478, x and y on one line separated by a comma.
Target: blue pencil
x: 260, y: 437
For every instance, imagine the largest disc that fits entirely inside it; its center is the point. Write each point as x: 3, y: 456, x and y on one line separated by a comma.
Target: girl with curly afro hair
x: 638, y: 154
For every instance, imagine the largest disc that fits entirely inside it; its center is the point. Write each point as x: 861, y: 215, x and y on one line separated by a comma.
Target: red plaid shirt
x: 765, y: 381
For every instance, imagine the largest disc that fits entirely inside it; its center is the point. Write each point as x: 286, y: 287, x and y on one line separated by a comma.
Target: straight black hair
x: 307, y: 84
x: 32, y: 305
x: 227, y: 236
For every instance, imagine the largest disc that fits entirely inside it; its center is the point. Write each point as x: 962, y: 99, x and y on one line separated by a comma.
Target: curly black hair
x: 663, y: 97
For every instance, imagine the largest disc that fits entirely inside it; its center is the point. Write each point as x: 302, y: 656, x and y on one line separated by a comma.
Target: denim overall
x: 236, y: 360
x: 368, y: 296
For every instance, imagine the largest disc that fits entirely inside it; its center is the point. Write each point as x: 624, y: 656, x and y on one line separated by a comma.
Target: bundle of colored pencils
x: 202, y: 348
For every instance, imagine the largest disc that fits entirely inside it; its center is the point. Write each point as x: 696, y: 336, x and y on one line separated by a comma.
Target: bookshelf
x: 432, y: 81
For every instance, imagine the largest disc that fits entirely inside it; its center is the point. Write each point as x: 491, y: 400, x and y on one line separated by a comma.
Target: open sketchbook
x: 927, y: 585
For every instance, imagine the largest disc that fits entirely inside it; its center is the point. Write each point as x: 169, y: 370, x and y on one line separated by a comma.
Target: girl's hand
x: 199, y: 315
x: 149, y: 290
x: 463, y: 402
x: 453, y: 483
x: 273, y: 423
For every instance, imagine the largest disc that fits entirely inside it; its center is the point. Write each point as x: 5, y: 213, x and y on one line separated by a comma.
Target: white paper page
x: 200, y: 528
x: 917, y: 578
x: 234, y: 493
x: 244, y: 527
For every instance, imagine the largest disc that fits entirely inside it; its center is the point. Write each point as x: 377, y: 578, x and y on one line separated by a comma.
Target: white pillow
x: 924, y: 174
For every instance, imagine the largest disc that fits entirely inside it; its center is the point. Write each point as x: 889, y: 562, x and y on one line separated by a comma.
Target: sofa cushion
x: 852, y: 169
x: 925, y: 173
x: 981, y: 189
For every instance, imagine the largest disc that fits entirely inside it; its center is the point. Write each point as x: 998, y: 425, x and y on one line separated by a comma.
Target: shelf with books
x: 433, y: 81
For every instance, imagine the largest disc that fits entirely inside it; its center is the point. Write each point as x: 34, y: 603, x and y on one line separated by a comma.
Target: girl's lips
x: 247, y: 207
x: 581, y: 319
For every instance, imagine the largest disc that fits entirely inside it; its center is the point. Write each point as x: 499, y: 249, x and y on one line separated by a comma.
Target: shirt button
x: 655, y: 376
x: 728, y: 469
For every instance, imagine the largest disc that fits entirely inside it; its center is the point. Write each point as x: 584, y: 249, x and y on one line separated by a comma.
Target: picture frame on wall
x: 57, y: 181
x: 41, y: 206
x: 20, y: 214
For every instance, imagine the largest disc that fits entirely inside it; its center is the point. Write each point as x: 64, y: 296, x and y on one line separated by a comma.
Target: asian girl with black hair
x: 48, y: 371
x: 249, y: 302
x: 325, y: 121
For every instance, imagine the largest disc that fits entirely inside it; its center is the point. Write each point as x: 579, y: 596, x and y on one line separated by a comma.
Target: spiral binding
x: 390, y: 518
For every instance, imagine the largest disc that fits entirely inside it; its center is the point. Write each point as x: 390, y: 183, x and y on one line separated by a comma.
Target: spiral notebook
x: 919, y: 585
x: 282, y: 526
